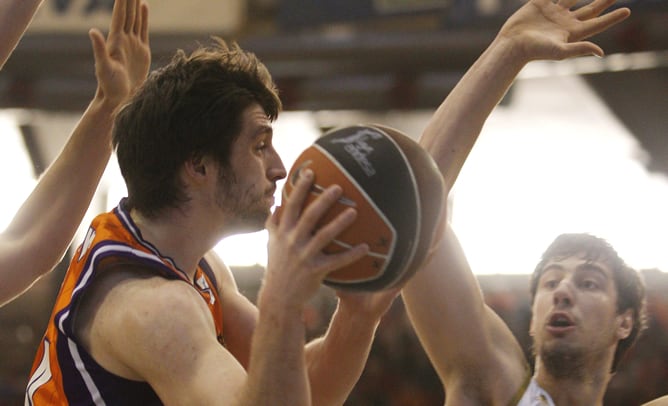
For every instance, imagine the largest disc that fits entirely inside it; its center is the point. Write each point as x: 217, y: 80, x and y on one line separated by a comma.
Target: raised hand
x: 123, y: 60
x: 555, y: 31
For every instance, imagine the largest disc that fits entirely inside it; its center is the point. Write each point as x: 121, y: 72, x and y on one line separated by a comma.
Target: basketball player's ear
x: 532, y: 326
x: 624, y: 324
x: 195, y: 168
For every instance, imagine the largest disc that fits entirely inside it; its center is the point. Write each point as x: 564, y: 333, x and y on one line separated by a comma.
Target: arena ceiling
x: 322, y: 60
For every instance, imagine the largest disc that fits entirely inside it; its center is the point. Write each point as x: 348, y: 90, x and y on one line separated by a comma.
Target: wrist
x: 103, y: 104
x: 107, y: 104
x: 274, y: 317
x: 277, y: 307
x: 351, y: 316
x: 511, y: 51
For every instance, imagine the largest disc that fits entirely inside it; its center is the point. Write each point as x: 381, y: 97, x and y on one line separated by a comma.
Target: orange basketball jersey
x: 63, y: 373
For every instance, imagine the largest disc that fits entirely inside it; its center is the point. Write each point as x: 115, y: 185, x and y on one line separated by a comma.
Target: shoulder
x: 141, y: 301
x: 222, y: 272
x: 160, y: 331
x: 493, y: 385
x: 239, y: 313
x: 128, y: 316
x: 238, y: 310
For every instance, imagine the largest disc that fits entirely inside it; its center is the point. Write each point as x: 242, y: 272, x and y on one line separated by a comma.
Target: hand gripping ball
x: 398, y: 193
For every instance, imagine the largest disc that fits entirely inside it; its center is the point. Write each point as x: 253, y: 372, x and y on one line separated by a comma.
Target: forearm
x: 44, y: 226
x: 445, y: 304
x: 454, y: 128
x: 277, y: 372
x: 336, y: 360
x: 435, y: 296
x: 15, y: 16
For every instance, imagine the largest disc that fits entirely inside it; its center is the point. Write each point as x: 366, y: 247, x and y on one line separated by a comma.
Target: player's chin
x: 255, y: 221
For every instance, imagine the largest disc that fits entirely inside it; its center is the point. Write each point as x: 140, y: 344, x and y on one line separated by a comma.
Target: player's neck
x: 585, y: 388
x: 178, y: 235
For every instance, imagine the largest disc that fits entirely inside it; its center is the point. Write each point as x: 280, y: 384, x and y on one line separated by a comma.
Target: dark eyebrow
x: 553, y: 267
x: 264, y: 129
x: 592, y: 267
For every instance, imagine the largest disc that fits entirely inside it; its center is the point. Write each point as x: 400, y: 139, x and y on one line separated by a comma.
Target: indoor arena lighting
x: 556, y: 160
x: 16, y: 172
x: 553, y: 160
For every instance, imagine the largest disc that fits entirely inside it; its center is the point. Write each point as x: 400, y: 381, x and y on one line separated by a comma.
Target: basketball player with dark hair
x: 42, y: 229
x: 587, y: 304
x: 147, y: 315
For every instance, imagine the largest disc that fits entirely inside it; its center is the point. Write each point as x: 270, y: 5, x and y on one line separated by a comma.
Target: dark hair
x: 630, y: 287
x: 191, y: 107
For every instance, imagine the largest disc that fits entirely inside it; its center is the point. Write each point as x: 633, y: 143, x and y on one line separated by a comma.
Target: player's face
x: 246, y: 191
x: 575, y: 311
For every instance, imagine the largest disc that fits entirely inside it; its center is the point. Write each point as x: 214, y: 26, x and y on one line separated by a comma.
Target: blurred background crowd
x: 398, y: 372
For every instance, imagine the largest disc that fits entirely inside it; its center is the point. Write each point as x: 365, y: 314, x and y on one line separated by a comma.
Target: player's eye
x: 589, y: 284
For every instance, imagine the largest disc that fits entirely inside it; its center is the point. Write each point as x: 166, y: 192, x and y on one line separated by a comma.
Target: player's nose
x: 563, y: 294
x: 275, y: 168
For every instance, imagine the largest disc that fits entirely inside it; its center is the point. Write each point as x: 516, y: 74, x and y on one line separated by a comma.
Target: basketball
x: 398, y: 193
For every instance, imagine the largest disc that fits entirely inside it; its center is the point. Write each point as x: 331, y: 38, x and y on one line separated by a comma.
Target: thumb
x: 99, y: 45
x: 582, y: 48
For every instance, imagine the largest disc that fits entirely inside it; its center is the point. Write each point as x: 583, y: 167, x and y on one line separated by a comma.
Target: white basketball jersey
x: 535, y: 396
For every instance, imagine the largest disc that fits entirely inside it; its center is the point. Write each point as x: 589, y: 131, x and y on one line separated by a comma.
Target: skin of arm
x: 662, y: 401
x: 29, y: 248
x: 15, y: 16
x: 168, y: 338
x: 336, y: 360
x: 239, y: 314
x: 473, y: 351
x: 294, y: 257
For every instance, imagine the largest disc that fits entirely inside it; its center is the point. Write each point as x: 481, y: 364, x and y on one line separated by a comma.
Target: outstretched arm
x: 463, y: 337
x: 540, y: 30
x: 43, y: 228
x: 15, y: 16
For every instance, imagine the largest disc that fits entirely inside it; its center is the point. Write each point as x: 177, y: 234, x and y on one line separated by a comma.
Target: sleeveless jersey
x: 63, y: 372
x: 535, y: 396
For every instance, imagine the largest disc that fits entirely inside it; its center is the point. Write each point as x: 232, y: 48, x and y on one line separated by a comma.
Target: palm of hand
x: 550, y: 30
x: 123, y: 60
x: 292, y: 269
x: 128, y: 64
x: 542, y: 27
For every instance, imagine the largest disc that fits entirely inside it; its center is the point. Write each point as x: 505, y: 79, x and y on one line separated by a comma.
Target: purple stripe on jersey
x: 130, y: 225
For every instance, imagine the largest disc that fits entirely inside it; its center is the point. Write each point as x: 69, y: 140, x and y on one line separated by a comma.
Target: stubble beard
x: 564, y: 361
x: 246, y: 209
